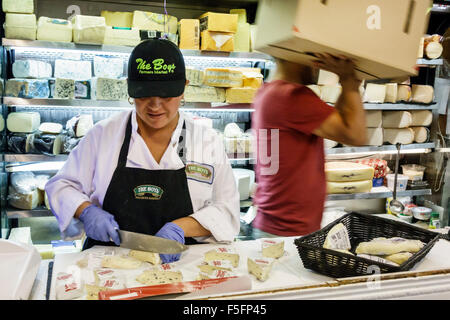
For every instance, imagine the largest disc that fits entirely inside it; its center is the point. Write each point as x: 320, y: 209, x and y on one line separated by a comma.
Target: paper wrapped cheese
x: 389, y: 246
x: 399, y: 258
x: 379, y: 166
x: 156, y: 276
x: 337, y: 238
x: 340, y: 171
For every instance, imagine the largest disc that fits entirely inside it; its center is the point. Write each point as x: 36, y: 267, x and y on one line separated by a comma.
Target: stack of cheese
x: 20, y: 20
x: 406, y: 127
x: 237, y: 143
x: 431, y: 47
x: 218, y: 31
x: 396, y: 93
x: 348, y: 177
x: 119, y: 29
x: 27, y: 190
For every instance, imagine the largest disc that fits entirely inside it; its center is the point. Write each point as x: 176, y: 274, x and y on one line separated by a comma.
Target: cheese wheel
x: 422, y: 93
x: 349, y: 187
x: 374, y: 137
x: 421, y: 134
x: 374, y: 118
x: 396, y: 119
x: 433, y: 50
x: 403, y: 93
x: 340, y: 171
x: 421, y: 118
x: 375, y: 93
x: 403, y: 136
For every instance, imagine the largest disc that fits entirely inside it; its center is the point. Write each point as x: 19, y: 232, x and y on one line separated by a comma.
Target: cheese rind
x: 223, y: 253
x: 394, y: 136
x: 349, y: 187
x: 260, y: 267
x: 341, y: 171
x: 52, y: 29
x: 240, y: 95
x: 204, y: 94
x: 31, y: 69
x: 23, y: 122
x: 272, y: 248
x: 397, y: 119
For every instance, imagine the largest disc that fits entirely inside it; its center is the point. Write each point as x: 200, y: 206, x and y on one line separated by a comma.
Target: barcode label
x: 340, y: 239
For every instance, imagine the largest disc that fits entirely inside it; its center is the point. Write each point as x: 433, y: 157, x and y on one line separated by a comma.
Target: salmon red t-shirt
x: 291, y: 188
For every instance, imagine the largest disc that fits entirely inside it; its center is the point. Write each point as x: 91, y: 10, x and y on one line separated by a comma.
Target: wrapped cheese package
x: 349, y: 187
x: 51, y: 29
x: 20, y: 26
x: 389, y: 246
x: 341, y: 171
x: 88, y: 29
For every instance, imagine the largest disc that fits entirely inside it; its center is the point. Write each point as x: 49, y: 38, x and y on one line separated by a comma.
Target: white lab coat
x: 88, y: 170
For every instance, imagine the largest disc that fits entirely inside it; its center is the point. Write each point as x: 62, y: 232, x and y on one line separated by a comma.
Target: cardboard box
x: 217, y: 41
x: 189, y: 33
x: 218, y: 22
x: 384, y: 35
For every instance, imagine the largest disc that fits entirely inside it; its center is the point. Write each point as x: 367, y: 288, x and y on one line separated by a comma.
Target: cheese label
x: 200, y: 172
x: 148, y: 192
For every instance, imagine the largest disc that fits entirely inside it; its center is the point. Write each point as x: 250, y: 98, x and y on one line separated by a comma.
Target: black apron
x: 144, y: 200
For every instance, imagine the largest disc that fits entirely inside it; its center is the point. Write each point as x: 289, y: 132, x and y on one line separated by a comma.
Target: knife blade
x: 145, y: 242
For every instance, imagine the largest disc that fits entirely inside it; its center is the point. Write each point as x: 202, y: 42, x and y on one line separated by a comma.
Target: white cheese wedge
x: 23, y: 122
x: 50, y: 127
x: 316, y: 89
x: 150, y: 257
x: 195, y: 76
x: 223, y: 253
x: 84, y: 124
x: 31, y: 69
x: 260, y: 267
x: 71, y: 69
x: 216, y: 274
x: 421, y: 134
x: 154, y: 277
x: 120, y: 262
x: 18, y: 6
x: 211, y: 266
x: 223, y: 77
x: 240, y: 95
x: 68, y: 286
x: 52, y: 29
x: 337, y: 238
x: 108, y: 67
x: 389, y: 246
x: 422, y: 94
x: 374, y: 118
x: 272, y: 248
x: 88, y: 29
x: 391, y: 92
x: 394, y: 136
x: 403, y: 93
x: 330, y: 93
x: 397, y: 119
x: 340, y: 171
x: 20, y: 26
x: 375, y: 93
x: 374, y: 137
x: 327, y: 78
x: 421, y: 118
x: 349, y: 187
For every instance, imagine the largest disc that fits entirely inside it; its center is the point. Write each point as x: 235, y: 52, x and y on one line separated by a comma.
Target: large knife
x: 145, y: 242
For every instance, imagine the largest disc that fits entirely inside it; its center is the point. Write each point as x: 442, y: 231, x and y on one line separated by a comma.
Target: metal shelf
x: 34, y: 213
x: 400, y: 106
x: 10, y: 157
x: 378, y: 193
x: 378, y: 149
x: 426, y: 62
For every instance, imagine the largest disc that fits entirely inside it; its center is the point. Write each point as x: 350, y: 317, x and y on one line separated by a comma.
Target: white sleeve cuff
x: 213, y: 220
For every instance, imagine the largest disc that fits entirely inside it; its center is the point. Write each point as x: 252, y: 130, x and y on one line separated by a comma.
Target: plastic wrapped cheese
x: 422, y: 94
x: 31, y: 69
x: 48, y: 144
x: 23, y: 122
x: 72, y: 69
x: 340, y: 171
x: 421, y: 118
x: 389, y: 246
x: 17, y: 143
x: 349, y: 187
x: 88, y: 29
x: 122, y: 36
x: 337, y: 238
x: 223, y: 77
x: 68, y: 286
x: 18, y: 6
x: 27, y: 88
x: 52, y: 29
x: 204, y: 94
x: 20, y: 26
x: 397, y: 119
x: 394, y: 136
x: 25, y: 201
x: 374, y: 118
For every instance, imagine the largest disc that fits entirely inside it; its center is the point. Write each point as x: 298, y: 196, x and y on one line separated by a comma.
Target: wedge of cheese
x: 120, y: 262
x: 144, y: 20
x: 397, y: 119
x: 403, y: 93
x: 223, y: 253
x: 422, y: 94
x: 374, y: 137
x: 223, y: 77
x: 272, y: 248
x: 260, y: 267
x: 349, y: 187
x: 421, y: 134
x: 144, y: 256
x: 338, y: 238
x: 421, y: 118
x: 216, y: 274
x: 374, y: 118
x: 391, y: 92
x: 341, y: 171
x: 394, y: 136
x: 389, y: 246
x: 375, y: 93
x: 154, y: 277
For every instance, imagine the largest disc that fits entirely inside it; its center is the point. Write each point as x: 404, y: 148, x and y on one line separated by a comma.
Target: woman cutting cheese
x: 151, y: 170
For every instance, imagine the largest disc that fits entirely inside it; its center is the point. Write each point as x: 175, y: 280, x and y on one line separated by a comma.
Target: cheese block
x: 204, y: 94
x: 223, y: 253
x: 394, y: 136
x: 52, y: 29
x: 219, y: 22
x: 340, y: 171
x: 421, y: 117
x: 25, y: 201
x: 216, y: 274
x: 150, y: 257
x: 399, y: 258
x: 27, y: 88
x: 272, y: 248
x: 21, y: 235
x: 20, y: 26
x: 217, y: 41
x: 120, y: 262
x: 403, y: 93
x: 68, y: 286
x: 117, y: 19
x: 110, y: 89
x: 338, y: 238
x: 433, y: 50
x: 189, y: 34
x: 397, y: 119
x: 389, y: 246
x: 260, y: 267
x: 214, y: 265
x: 375, y: 93
x: 422, y: 94
x: 232, y: 130
x: 154, y: 277
x: 23, y: 122
x: 108, y: 67
x: 374, y: 118
x: 117, y: 36
x: 316, y: 89
x: 64, y: 89
x: 83, y: 125
x: 349, y: 187
x: 31, y: 69
x: 88, y: 29
x: 18, y: 6
x: 223, y: 77
x: 240, y: 95
x: 242, y: 14
x: 327, y: 78
x: 82, y: 89
x: 421, y: 134
x: 71, y: 69
x: 242, y: 37
x: 391, y: 92
x: 195, y: 76
x: 330, y: 93
x: 145, y: 20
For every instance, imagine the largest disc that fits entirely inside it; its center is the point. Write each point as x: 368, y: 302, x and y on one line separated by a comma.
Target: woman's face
x: 157, y: 112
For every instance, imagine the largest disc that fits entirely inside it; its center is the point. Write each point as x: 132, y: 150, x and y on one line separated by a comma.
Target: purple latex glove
x: 99, y: 224
x: 173, y: 232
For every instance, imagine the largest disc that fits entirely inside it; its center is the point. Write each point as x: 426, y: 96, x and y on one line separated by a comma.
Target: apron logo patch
x: 200, y: 172
x: 148, y: 192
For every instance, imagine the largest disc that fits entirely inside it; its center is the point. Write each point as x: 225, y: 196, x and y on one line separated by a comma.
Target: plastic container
x: 414, y: 172
x: 421, y: 213
x: 405, y: 218
x: 402, y: 182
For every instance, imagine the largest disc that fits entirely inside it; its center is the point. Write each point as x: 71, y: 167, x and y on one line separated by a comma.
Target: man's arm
x: 347, y: 124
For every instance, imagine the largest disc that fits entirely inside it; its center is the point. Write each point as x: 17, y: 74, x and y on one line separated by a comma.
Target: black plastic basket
x: 361, y: 228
